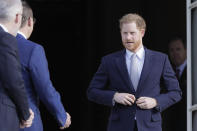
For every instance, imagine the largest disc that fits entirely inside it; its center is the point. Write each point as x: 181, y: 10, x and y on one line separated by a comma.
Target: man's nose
x: 128, y: 36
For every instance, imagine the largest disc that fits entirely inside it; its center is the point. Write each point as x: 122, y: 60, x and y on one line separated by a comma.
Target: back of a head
x: 9, y: 9
x: 27, y: 13
x: 132, y: 17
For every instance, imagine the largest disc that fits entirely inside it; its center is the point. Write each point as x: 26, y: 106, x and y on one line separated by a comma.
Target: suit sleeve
x: 11, y: 76
x: 43, y: 85
x: 97, y: 91
x: 171, y: 84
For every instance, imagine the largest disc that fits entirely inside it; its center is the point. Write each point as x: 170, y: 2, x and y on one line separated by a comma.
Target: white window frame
x: 190, y: 108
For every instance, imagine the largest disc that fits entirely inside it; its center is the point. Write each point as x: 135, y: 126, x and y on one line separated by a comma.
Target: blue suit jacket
x: 38, y: 84
x: 112, y: 76
x: 13, y: 99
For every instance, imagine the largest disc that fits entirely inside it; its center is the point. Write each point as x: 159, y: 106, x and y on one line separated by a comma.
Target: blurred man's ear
x: 17, y: 18
x: 29, y: 22
x: 142, y: 32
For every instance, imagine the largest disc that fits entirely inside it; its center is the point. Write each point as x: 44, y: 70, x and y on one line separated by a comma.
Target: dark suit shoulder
x: 26, y: 43
x: 156, y: 53
x: 35, y: 46
x: 4, y: 34
x: 31, y: 44
x: 7, y: 40
x: 26, y: 49
x: 26, y: 46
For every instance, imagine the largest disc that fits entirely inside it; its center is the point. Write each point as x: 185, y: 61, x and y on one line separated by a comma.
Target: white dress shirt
x: 140, y: 59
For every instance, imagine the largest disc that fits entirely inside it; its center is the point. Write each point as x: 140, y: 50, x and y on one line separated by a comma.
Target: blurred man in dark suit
x: 14, y: 107
x: 176, y: 117
x: 36, y: 75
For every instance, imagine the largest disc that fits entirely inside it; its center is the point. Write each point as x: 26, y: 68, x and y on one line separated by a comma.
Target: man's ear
x: 142, y: 32
x: 16, y: 18
x: 29, y: 22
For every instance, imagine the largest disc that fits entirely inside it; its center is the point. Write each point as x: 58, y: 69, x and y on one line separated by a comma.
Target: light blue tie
x: 134, y: 75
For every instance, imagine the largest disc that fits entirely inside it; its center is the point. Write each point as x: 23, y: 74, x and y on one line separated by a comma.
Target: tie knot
x: 133, y: 56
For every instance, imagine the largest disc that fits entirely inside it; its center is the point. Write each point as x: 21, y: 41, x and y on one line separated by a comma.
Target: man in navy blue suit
x: 36, y: 76
x: 14, y: 109
x: 129, y: 82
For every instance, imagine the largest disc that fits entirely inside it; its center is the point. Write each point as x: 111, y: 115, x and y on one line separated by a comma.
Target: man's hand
x: 28, y: 122
x: 68, y: 122
x: 146, y: 102
x: 124, y: 98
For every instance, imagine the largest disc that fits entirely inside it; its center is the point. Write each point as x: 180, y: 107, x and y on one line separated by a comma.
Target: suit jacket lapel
x: 121, y: 64
x: 146, y: 69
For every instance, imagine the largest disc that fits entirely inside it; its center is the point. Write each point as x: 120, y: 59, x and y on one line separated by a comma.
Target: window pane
x: 194, y: 120
x: 194, y: 54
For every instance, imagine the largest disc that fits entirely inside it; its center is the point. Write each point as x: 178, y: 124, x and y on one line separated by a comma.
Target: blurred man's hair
x: 27, y: 13
x: 177, y: 38
x: 9, y: 9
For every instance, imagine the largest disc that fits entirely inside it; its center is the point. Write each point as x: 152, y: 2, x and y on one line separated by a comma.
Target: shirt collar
x: 4, y: 28
x: 182, y: 66
x: 21, y: 33
x: 140, y: 53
